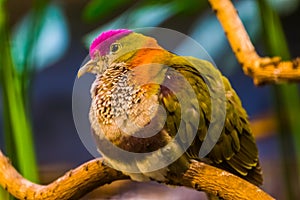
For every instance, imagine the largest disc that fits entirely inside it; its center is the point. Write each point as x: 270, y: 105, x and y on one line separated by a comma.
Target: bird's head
x: 115, y: 46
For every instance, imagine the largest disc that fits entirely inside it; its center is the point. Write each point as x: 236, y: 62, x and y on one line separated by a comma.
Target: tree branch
x: 203, y: 177
x: 262, y: 69
x: 72, y: 185
x: 78, y: 182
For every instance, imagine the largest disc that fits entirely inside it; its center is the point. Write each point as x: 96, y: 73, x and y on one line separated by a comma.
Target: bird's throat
x: 112, y: 94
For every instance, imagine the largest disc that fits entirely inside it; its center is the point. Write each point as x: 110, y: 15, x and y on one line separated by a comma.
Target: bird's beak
x: 86, y: 68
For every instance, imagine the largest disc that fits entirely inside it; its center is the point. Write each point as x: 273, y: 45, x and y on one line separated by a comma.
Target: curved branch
x: 95, y: 173
x: 72, y: 185
x: 262, y: 69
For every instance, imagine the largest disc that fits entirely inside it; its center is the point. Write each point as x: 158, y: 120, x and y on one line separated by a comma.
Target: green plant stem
x: 287, y: 103
x: 17, y: 127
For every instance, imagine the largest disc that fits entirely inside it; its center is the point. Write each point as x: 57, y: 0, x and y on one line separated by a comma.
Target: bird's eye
x: 115, y: 47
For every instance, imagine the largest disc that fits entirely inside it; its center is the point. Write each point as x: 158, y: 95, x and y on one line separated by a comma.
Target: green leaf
x: 97, y: 9
x: 191, y: 6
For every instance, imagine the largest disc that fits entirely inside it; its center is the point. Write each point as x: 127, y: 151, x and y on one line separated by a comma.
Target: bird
x: 151, y: 110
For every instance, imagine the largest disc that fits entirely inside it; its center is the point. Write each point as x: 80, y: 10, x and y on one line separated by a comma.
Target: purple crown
x: 107, y: 37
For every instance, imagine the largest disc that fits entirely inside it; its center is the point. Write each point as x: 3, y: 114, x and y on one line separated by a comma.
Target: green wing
x: 235, y: 149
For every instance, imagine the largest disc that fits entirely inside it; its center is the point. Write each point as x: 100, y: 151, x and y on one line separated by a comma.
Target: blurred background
x: 43, y: 43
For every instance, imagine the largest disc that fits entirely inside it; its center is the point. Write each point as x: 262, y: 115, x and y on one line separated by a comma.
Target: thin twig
x: 263, y: 70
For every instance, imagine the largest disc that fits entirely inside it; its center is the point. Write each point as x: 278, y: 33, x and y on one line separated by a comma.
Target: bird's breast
x: 128, y: 115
